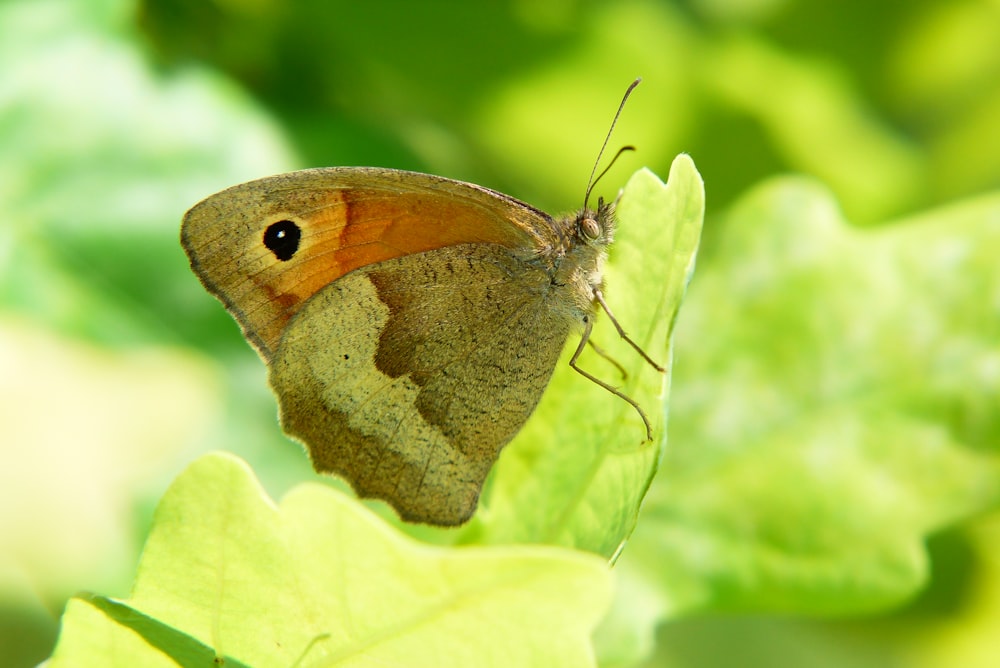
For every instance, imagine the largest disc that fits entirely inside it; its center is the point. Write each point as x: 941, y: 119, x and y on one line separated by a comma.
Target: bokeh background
x: 116, y: 115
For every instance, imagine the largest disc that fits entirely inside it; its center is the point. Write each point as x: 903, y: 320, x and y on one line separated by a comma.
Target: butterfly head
x: 595, y: 228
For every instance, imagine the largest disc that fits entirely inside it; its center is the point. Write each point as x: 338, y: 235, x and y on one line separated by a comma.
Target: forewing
x: 342, y: 218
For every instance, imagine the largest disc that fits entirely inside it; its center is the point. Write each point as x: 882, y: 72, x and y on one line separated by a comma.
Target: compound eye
x: 590, y: 229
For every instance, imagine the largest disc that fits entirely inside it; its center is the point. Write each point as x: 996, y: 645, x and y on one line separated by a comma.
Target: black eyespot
x: 282, y: 239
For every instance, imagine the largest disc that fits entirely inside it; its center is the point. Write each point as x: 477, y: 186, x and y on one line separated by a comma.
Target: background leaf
x: 839, y: 409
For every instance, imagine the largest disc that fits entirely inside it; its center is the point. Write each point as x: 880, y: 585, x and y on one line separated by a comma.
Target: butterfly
x: 410, y: 323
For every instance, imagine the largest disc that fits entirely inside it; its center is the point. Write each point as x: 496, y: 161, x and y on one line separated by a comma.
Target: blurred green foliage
x: 835, y: 396
x: 892, y: 104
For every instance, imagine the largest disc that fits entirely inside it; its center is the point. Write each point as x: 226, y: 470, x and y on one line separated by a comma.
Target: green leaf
x: 320, y: 581
x: 835, y: 403
x: 97, y: 171
x: 577, y: 473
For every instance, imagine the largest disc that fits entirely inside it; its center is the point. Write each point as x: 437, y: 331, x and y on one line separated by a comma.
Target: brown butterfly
x: 409, y: 322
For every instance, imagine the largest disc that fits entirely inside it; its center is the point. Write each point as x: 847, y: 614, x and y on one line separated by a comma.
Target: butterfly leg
x: 588, y: 326
x: 606, y: 355
x: 621, y: 332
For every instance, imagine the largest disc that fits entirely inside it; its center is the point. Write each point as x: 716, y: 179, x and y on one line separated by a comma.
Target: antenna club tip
x: 592, y: 181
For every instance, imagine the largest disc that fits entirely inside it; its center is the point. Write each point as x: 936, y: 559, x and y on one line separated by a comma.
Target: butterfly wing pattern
x: 410, y: 323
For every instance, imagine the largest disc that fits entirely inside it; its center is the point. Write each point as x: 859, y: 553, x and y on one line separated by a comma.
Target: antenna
x: 592, y: 181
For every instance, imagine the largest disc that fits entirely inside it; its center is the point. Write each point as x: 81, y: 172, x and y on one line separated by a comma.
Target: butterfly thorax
x: 576, y: 262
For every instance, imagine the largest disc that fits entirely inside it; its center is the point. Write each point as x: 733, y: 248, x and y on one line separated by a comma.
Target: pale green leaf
x: 577, y: 473
x: 319, y: 580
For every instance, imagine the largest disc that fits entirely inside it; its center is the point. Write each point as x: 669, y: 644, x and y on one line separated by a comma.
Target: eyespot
x: 282, y: 239
x: 590, y: 229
